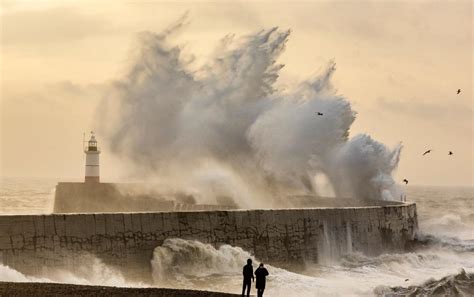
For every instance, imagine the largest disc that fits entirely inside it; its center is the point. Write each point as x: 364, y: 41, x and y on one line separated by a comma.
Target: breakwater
x: 282, y: 237
x: 76, y: 197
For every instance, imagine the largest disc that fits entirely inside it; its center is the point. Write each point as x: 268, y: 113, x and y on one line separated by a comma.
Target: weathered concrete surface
x: 280, y: 237
x: 111, y: 197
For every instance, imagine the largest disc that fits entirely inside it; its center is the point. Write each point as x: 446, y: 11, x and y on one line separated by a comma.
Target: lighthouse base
x: 92, y: 179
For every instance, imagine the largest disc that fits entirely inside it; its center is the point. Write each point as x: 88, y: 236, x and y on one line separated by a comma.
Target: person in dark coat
x: 261, y: 274
x: 248, y: 277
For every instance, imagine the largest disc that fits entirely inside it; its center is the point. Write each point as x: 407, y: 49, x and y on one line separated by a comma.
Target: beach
x: 14, y: 289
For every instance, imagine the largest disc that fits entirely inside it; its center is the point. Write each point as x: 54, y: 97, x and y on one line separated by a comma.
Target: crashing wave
x: 412, y: 259
x: 452, y: 243
x: 179, y: 259
x: 461, y: 284
x: 227, y: 130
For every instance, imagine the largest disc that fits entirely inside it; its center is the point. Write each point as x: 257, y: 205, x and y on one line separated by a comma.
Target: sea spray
x: 445, y: 242
x: 326, y: 250
x: 191, y: 264
x: 228, y: 121
x: 8, y: 274
x: 348, y: 238
x: 354, y: 275
x: 177, y: 258
x: 91, y: 271
x: 195, y: 265
x: 461, y: 284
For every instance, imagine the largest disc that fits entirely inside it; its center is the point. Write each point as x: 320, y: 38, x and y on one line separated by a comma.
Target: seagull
x: 450, y: 153
x: 406, y: 279
x: 405, y: 181
x: 459, y: 91
x: 427, y: 152
x: 319, y: 113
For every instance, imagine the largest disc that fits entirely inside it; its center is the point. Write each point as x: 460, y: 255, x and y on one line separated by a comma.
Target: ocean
x: 445, y: 249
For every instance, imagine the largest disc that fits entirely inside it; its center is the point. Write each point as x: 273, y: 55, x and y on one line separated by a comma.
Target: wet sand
x: 13, y: 289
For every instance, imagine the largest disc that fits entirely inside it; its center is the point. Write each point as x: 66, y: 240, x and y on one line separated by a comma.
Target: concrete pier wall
x: 282, y: 237
x: 111, y: 197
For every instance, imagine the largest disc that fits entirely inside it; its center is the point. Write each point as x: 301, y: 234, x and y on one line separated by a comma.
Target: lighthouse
x: 92, y: 161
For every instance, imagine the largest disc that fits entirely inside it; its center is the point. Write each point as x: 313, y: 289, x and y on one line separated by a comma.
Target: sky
x: 399, y: 63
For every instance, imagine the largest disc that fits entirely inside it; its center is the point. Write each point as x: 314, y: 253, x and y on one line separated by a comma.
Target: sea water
x: 446, y: 229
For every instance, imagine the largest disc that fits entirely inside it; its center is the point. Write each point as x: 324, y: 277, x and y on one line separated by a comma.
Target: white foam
x: 191, y: 264
x: 227, y: 130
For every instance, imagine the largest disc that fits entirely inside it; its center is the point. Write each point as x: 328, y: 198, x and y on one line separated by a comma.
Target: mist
x: 224, y: 129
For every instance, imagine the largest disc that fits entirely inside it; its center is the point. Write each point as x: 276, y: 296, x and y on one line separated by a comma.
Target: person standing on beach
x: 248, y: 277
x: 261, y: 274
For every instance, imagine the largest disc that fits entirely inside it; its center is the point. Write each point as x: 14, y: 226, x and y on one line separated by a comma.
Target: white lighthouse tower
x: 92, y: 160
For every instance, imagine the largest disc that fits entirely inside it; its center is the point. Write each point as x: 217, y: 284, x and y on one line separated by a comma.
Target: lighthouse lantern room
x: 92, y: 160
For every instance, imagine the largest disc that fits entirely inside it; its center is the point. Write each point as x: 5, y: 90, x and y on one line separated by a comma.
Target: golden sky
x: 398, y: 62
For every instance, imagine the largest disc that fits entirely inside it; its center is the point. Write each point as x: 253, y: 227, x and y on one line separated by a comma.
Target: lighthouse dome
x: 92, y: 143
x: 92, y: 160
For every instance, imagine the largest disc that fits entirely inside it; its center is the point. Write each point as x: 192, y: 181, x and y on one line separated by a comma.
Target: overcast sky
x: 398, y: 62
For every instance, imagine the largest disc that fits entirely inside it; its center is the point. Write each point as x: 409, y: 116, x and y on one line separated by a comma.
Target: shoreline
x: 20, y: 289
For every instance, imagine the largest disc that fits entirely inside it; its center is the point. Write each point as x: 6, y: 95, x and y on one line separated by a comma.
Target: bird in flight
x: 450, y: 153
x: 405, y: 181
x: 427, y: 152
x: 406, y: 279
x: 459, y: 91
x: 319, y: 113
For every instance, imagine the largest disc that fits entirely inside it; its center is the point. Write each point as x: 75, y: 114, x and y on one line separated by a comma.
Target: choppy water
x: 446, y: 218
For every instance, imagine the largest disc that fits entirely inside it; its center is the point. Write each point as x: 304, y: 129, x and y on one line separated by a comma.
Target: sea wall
x: 281, y: 237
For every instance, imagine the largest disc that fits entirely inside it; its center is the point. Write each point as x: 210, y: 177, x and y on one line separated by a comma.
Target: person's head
x: 261, y: 264
x: 249, y: 261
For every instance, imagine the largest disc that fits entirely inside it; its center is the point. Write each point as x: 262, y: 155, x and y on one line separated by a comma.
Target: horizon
x: 124, y: 180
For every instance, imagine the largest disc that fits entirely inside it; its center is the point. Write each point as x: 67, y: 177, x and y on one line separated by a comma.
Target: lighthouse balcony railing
x: 92, y: 149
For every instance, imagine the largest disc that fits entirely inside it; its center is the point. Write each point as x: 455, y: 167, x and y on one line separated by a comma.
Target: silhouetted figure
x: 450, y: 153
x: 248, y: 277
x: 261, y: 274
x: 405, y: 181
x: 319, y: 113
x: 459, y: 91
x: 427, y: 152
x: 403, y: 198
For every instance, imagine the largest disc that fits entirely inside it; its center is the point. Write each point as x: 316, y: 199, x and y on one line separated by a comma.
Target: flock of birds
x: 450, y: 153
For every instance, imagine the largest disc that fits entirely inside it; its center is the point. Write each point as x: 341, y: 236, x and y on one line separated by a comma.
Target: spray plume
x: 226, y: 131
